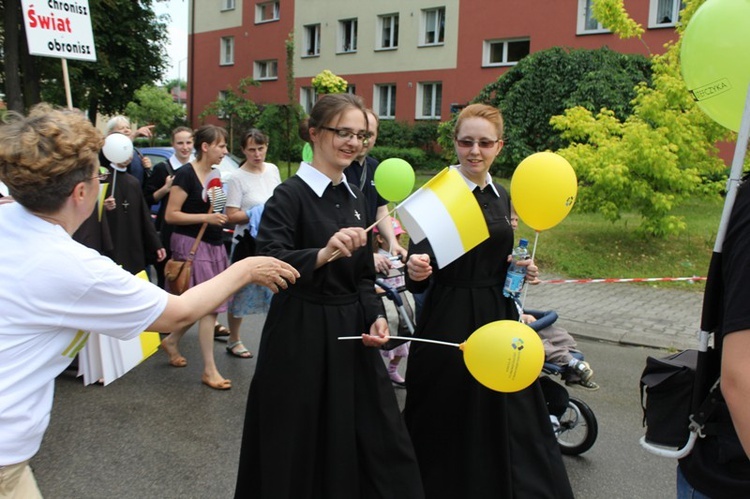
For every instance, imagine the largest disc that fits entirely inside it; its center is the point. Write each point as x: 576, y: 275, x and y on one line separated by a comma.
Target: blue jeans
x: 685, y: 490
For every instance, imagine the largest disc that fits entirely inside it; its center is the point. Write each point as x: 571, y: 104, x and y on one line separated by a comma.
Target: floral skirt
x: 251, y: 299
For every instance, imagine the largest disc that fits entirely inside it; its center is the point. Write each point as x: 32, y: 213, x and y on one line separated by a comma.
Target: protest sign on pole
x: 60, y: 29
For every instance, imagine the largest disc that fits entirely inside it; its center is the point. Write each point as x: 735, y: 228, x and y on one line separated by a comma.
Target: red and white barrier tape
x: 634, y: 279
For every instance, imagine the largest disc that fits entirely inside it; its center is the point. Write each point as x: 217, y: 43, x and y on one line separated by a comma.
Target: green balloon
x: 307, y: 153
x: 394, y: 179
x: 713, y: 57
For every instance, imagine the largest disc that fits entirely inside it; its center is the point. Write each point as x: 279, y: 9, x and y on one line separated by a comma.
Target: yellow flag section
x: 445, y: 212
x: 105, y: 358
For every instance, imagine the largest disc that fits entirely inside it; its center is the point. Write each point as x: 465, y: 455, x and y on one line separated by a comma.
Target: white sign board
x: 59, y: 29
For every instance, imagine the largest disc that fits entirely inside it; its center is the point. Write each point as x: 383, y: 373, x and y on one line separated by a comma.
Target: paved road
x: 158, y: 432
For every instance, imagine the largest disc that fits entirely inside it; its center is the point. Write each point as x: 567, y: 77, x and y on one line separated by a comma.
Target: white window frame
x: 226, y: 51
x: 435, y: 91
x: 266, y: 70
x: 307, y: 98
x: 385, y: 97
x: 263, y: 8
x: 435, y: 26
x: 387, y: 23
x: 228, y: 5
x: 654, y: 14
x: 312, y: 40
x: 348, y: 35
x: 487, y: 51
x: 584, y: 17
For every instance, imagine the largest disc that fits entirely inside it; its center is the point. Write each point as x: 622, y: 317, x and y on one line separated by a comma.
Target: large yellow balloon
x: 505, y: 356
x: 543, y: 190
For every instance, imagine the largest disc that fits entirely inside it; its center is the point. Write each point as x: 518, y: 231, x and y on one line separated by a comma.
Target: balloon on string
x: 505, y: 356
x: 118, y: 148
x: 394, y: 179
x: 543, y: 190
x: 307, y: 153
x: 714, y: 46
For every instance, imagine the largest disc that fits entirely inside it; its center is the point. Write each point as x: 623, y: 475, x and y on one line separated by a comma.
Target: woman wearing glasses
x: 472, y: 442
x: 53, y: 296
x: 322, y: 418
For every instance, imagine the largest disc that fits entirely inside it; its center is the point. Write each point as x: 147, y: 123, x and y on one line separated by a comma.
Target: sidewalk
x: 631, y: 314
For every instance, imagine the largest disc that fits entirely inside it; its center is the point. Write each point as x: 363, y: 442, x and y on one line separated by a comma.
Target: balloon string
x: 424, y: 340
x: 338, y: 252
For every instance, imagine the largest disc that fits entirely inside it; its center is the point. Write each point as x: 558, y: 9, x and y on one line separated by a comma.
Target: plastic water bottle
x: 516, y: 273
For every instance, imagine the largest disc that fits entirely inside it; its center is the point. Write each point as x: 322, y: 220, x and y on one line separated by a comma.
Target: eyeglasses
x: 482, y: 143
x: 348, y: 134
x: 102, y: 176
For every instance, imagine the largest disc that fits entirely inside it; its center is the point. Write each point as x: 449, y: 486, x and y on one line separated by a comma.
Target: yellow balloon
x: 505, y: 356
x: 543, y: 190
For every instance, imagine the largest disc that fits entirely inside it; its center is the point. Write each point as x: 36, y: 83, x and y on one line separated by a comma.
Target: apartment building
x: 408, y: 59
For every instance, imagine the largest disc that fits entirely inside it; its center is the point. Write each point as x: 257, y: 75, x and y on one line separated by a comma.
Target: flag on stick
x: 445, y: 212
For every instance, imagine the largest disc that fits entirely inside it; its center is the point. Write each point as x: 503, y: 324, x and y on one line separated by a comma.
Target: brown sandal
x: 175, y: 359
x: 224, y: 384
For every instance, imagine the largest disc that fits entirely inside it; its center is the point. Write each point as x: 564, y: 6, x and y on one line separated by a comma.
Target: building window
x: 348, y: 35
x: 312, y: 40
x: 266, y: 70
x: 227, y: 4
x: 433, y: 26
x: 226, y: 58
x: 266, y: 12
x: 385, y: 99
x: 664, y: 13
x: 505, y: 52
x: 351, y: 89
x: 307, y: 98
x: 388, y: 31
x: 429, y: 100
x: 587, y: 23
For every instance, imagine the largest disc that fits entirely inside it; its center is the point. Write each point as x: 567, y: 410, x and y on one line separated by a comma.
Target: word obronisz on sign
x: 59, y: 29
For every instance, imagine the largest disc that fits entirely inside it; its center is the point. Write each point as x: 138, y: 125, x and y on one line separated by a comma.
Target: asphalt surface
x: 158, y: 432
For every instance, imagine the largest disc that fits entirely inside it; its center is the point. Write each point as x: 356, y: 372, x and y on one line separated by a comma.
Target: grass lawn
x: 585, y: 245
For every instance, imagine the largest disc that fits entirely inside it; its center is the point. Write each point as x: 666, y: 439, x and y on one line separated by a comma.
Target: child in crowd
x: 395, y: 279
x: 559, y: 346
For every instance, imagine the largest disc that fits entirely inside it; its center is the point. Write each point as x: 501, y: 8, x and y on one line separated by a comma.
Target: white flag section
x: 445, y: 211
x: 105, y: 358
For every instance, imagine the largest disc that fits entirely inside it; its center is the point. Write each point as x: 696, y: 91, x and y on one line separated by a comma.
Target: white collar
x: 472, y: 185
x: 317, y: 180
x: 175, y: 163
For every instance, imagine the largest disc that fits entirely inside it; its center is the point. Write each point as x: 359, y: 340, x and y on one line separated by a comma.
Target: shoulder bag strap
x: 200, y: 236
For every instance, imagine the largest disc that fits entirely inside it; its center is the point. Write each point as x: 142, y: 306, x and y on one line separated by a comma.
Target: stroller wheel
x: 578, y: 428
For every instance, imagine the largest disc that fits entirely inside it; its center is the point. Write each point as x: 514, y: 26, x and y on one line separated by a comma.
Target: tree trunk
x: 32, y: 93
x: 93, y: 108
x: 13, y: 93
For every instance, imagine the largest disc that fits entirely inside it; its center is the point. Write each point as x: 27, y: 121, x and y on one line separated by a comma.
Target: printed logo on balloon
x: 543, y: 190
x: 713, y: 57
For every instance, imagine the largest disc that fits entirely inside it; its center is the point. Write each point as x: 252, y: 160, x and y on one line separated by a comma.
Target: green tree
x: 546, y: 83
x: 154, y: 105
x: 654, y: 158
x: 236, y: 110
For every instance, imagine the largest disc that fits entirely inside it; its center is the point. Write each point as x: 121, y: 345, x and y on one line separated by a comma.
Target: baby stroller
x: 576, y: 427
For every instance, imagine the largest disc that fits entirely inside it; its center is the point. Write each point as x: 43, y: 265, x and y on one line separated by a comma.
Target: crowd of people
x: 322, y: 418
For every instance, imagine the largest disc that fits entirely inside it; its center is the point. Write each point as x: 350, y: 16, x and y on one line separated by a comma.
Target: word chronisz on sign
x: 59, y: 29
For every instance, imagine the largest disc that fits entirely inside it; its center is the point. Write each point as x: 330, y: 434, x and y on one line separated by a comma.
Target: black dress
x: 473, y: 442
x: 134, y: 237
x: 322, y: 418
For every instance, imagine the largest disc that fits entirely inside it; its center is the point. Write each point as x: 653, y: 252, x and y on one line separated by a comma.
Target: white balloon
x: 118, y: 148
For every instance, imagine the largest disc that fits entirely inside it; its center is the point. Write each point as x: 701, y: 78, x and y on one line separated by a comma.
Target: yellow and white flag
x: 445, y: 211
